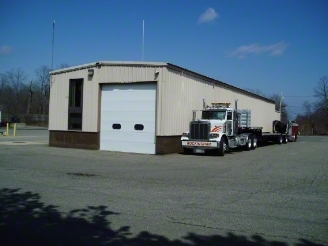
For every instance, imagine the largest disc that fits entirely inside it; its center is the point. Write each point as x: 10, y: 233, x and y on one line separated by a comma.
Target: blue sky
x: 271, y: 46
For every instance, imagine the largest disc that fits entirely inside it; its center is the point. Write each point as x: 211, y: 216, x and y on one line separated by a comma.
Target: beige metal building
x: 140, y: 107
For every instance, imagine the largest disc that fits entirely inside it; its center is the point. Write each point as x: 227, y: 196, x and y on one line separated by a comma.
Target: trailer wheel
x: 222, y: 148
x: 248, y: 145
x: 253, y: 142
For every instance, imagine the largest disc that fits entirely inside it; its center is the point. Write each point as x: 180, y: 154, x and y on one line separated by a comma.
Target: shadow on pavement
x: 24, y: 220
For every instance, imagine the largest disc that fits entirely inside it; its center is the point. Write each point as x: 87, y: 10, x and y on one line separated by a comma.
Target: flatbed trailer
x: 220, y: 129
x: 264, y: 137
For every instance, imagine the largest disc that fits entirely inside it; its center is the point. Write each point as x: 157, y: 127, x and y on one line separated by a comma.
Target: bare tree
x: 30, y: 98
x: 321, y: 92
x: 3, y: 83
x: 257, y: 92
x: 16, y: 91
x: 16, y: 78
x: 63, y: 65
x: 308, y: 118
x: 315, y: 117
x: 307, y: 108
x: 321, y: 105
x: 3, y: 87
x: 43, y: 81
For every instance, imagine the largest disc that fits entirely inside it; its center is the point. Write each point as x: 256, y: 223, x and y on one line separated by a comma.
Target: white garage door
x: 128, y: 118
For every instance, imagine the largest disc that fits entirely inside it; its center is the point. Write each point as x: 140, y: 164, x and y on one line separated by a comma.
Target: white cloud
x: 273, y: 49
x: 209, y: 15
x: 5, y: 49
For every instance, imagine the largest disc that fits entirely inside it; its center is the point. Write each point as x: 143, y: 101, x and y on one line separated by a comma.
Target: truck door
x: 229, y: 123
x: 235, y: 122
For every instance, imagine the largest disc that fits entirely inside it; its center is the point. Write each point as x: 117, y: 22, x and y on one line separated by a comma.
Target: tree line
x: 314, y: 120
x: 20, y: 97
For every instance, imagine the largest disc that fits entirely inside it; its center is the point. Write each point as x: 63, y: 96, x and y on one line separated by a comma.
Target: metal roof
x: 156, y: 64
x: 109, y: 63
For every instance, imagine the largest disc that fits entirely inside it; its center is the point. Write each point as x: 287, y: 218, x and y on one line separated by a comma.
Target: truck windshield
x: 213, y: 115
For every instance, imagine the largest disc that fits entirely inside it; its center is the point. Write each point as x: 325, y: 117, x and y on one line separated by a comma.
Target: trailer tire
x: 223, y: 146
x: 248, y: 145
x: 253, y: 142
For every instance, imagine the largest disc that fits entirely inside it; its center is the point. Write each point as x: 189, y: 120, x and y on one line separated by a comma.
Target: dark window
x: 138, y: 127
x: 75, y: 105
x: 215, y: 115
x: 229, y: 115
x: 117, y: 126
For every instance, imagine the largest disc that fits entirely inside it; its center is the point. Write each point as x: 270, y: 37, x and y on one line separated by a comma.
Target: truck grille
x: 199, y: 130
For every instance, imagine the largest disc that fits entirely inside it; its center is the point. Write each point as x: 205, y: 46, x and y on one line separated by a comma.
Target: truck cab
x: 216, y: 130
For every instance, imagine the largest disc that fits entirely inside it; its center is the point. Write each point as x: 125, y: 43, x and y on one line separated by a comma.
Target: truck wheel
x: 279, y: 139
x: 187, y: 151
x: 285, y: 138
x: 253, y: 142
x: 295, y: 138
x: 222, y: 148
x: 248, y: 145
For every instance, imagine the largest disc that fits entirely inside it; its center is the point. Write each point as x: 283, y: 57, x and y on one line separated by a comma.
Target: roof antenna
x: 53, y: 43
x: 143, y: 39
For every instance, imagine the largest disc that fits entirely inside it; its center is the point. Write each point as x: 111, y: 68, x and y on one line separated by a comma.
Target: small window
x: 76, y: 92
x: 138, y: 127
x: 116, y: 126
x: 75, y: 121
x: 75, y: 104
x: 229, y: 116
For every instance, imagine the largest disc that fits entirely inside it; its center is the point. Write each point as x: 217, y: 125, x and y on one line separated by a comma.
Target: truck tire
x: 285, y: 139
x: 253, y: 142
x: 187, y: 151
x: 223, y: 146
x: 248, y: 145
x: 279, y: 139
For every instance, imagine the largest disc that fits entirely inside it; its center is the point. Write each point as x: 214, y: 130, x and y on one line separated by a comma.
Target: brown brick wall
x: 90, y: 140
x: 71, y: 139
x: 168, y: 144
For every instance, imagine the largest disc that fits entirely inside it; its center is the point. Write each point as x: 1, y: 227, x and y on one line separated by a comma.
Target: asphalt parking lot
x: 274, y: 195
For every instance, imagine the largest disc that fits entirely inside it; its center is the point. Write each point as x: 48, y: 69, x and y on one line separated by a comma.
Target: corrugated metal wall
x: 126, y: 74
x: 179, y: 92
x: 58, y: 105
x: 59, y: 94
x: 182, y: 92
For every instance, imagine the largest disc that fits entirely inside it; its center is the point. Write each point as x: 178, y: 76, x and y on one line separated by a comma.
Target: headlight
x: 214, y: 135
x: 185, y: 134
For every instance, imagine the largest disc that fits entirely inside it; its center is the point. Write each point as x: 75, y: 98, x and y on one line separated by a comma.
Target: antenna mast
x: 143, y: 39
x: 53, y: 43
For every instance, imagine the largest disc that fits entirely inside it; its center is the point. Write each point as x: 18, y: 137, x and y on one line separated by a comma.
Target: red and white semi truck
x: 222, y: 128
